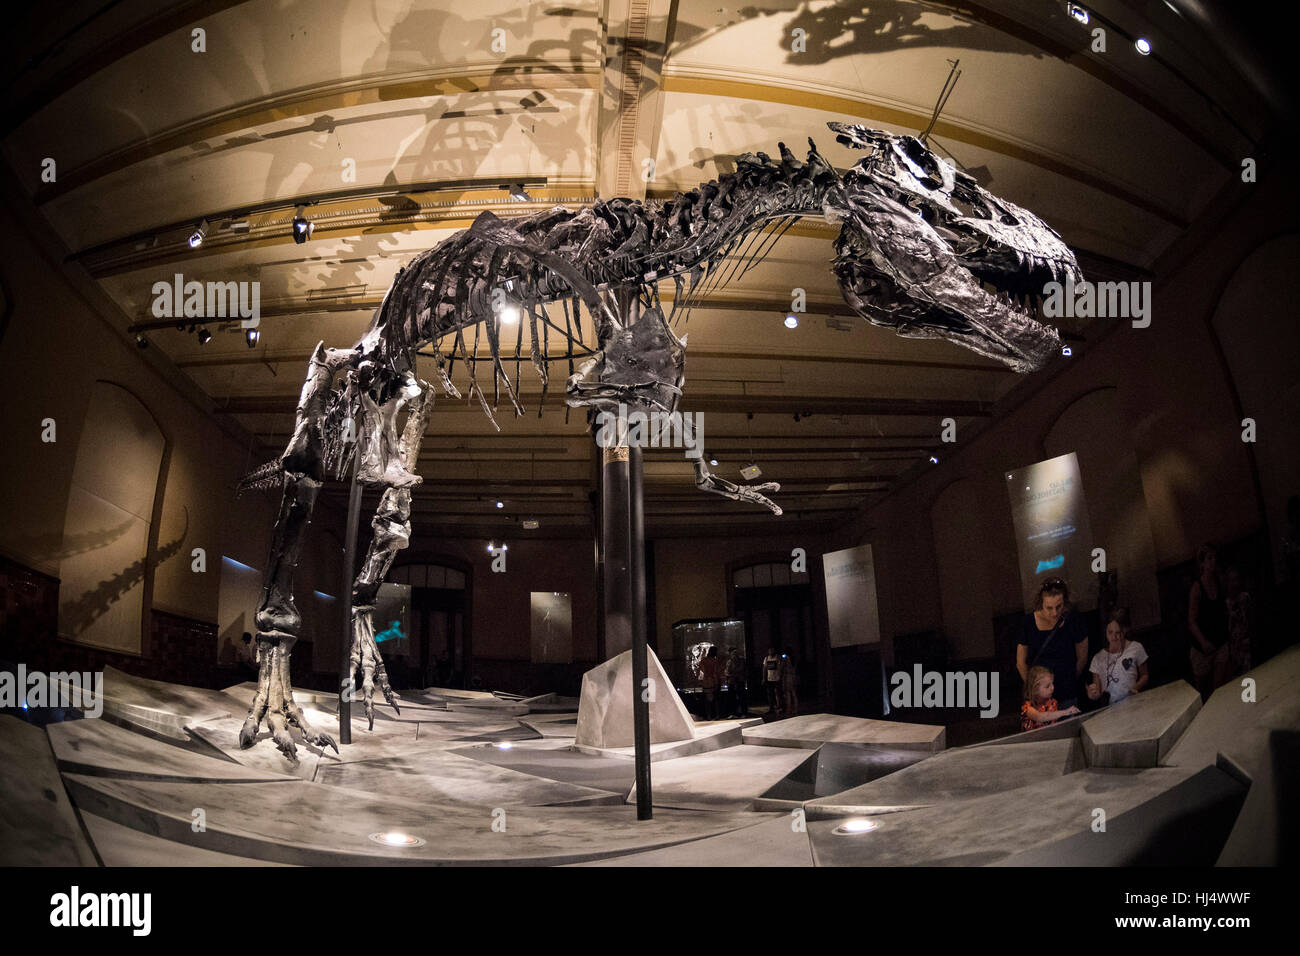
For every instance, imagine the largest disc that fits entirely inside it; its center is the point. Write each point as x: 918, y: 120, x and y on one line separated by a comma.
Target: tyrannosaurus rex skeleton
x: 920, y: 246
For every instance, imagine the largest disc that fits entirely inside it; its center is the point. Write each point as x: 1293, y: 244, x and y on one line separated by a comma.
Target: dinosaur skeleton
x: 923, y: 249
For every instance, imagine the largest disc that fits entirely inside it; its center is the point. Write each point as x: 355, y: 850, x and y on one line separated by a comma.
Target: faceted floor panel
x: 724, y: 779
x: 1141, y: 729
x: 38, y: 826
x: 834, y: 768
x: 983, y: 830
x: 472, y: 781
x: 954, y: 775
x: 780, y: 841
x: 309, y: 824
x: 809, y: 731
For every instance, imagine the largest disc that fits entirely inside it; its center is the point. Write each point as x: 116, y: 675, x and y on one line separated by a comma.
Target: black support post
x: 640, y: 661
x: 349, y: 570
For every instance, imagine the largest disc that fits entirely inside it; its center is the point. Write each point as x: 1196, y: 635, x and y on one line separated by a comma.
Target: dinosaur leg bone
x: 392, y: 531
x: 278, y: 621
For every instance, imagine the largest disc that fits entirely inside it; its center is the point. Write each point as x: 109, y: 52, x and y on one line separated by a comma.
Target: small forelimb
x: 705, y: 480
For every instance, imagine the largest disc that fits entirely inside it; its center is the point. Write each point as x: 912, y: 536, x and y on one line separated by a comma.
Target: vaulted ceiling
x: 397, y: 123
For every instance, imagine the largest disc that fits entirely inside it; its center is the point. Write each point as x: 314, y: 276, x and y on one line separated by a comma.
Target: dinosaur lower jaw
x: 657, y: 396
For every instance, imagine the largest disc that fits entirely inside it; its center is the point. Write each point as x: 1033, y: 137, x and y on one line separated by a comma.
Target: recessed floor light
x: 397, y: 838
x: 850, y: 827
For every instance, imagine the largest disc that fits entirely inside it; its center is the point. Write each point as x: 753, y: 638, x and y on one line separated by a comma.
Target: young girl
x: 1039, y: 708
x: 1121, y: 668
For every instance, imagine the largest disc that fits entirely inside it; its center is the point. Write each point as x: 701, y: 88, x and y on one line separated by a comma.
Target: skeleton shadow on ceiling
x: 843, y: 29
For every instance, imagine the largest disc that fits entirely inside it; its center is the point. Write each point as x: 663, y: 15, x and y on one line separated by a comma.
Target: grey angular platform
x: 121, y: 846
x: 772, y: 843
x: 605, y: 707
x: 709, y: 736
x: 963, y: 774
x: 101, y: 748
x: 810, y: 731
x: 834, y: 768
x: 159, y: 707
x: 989, y: 829
x: 1256, y: 741
x: 444, y: 777
x: 1140, y: 730
x: 724, y: 779
x: 1185, y: 825
x: 38, y: 826
x: 303, y: 823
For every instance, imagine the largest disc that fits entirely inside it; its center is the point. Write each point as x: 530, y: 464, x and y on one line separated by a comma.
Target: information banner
x: 851, y: 596
x: 1052, y: 533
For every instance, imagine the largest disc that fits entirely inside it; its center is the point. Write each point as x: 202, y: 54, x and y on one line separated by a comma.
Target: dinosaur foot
x: 365, y: 655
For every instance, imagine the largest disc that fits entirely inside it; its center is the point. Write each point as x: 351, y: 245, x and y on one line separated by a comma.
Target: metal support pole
x: 640, y: 661
x: 349, y: 569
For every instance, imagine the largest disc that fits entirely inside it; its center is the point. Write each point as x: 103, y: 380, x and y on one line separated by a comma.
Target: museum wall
x: 1177, y: 436
x: 56, y: 347
x: 691, y: 574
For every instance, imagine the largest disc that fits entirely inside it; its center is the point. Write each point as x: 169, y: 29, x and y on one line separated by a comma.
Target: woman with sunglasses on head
x: 1051, y: 637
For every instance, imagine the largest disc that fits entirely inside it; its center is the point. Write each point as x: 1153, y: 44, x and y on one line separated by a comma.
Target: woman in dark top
x: 1207, y: 621
x: 1053, y: 638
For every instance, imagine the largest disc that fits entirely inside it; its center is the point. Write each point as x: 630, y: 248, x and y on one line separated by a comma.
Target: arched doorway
x: 776, y: 605
x: 437, y: 652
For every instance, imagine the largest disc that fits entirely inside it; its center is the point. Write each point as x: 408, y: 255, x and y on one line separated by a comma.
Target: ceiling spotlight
x: 1067, y: 351
x: 199, y: 235
x: 141, y: 341
x: 302, y: 227
x: 1078, y: 12
x: 792, y: 321
x: 1143, y: 45
x: 713, y: 462
x: 204, y: 335
x: 517, y: 193
x: 934, y: 460
x: 501, y: 504
x: 251, y: 336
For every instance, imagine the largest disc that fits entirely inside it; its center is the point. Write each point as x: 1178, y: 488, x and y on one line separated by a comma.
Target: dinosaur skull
x: 921, y: 241
x: 640, y: 364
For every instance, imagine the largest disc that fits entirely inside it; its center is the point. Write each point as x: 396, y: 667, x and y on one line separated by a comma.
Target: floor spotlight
x: 501, y: 504
x: 934, y: 459
x: 201, y: 233
x: 204, y: 336
x: 302, y: 226
x: 141, y: 341
x: 713, y: 462
x: 1143, y: 45
x: 792, y: 321
x: 1078, y: 12
x: 517, y: 193
x: 251, y: 336
x: 509, y: 314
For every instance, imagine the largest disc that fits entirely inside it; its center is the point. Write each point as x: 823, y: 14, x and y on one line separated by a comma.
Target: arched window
x: 106, y: 528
